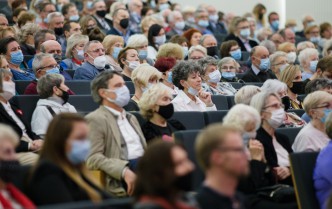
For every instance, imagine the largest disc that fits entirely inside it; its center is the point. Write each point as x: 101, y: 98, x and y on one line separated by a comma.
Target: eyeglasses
x: 275, y: 106
x: 97, y: 50
x: 232, y: 149
x: 49, y: 67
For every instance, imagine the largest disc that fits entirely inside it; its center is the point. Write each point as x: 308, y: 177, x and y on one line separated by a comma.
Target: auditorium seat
x: 301, y: 97
x: 240, y: 76
x: 27, y: 103
x: 236, y: 85
x: 302, y: 167
x: 84, y: 104
x: 254, y: 83
x: 190, y: 120
x: 71, y: 73
x: 214, y: 116
x: 220, y: 101
x: 20, y: 86
x: 291, y: 133
x: 139, y: 117
x: 298, y: 112
x: 230, y: 101
x: 131, y: 87
x: 79, y: 87
x: 188, y: 138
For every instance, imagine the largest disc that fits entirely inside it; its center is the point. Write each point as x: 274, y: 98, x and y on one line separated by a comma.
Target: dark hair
x: 123, y: 55
x: 96, y: 34
x: 154, y: 30
x: 317, y: 85
x: 177, y: 39
x: 4, y: 43
x: 66, y: 26
x: 272, y: 13
x: 189, y: 33
x: 40, y: 37
x: 16, y: 4
x: 145, y: 10
x: 155, y: 171
x: 17, y: 11
x: 45, y: 4
x: 325, y: 64
x: 1, y: 90
x: 182, y: 71
x: 323, y: 27
x: 225, y: 48
x: 164, y: 64
x: 24, y: 18
x: 66, y: 7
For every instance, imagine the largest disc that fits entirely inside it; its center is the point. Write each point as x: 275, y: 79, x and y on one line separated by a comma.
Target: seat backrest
x: 236, y: 85
x: 83, y: 103
x: 20, y: 86
x: 254, y: 83
x: 298, y: 112
x: 27, y: 103
x: 230, y: 101
x: 131, y: 87
x: 291, y: 133
x: 71, y: 73
x: 302, y: 167
x: 79, y: 87
x: 220, y: 101
x: 214, y: 116
x: 188, y: 139
x: 190, y: 120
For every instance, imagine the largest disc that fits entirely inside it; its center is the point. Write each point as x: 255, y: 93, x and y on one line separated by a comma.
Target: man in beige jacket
x: 117, y: 141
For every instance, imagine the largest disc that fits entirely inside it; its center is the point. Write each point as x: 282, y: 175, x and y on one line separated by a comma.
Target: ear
x: 183, y: 83
x: 102, y: 93
x: 265, y: 115
x: 319, y: 72
x: 55, y: 90
x: 216, y: 157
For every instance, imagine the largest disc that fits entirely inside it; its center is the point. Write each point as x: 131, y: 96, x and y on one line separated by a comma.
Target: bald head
x: 289, y: 35
x: 51, y: 47
x: 257, y: 54
x: 307, y: 20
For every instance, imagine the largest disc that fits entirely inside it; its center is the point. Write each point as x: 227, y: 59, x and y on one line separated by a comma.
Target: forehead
x: 271, y: 99
x: 115, y: 80
x: 48, y: 60
x: 52, y: 45
x: 100, y: 4
x: 210, y: 39
x: 262, y: 51
x: 131, y: 51
x: 243, y: 23
x: 95, y: 45
x: 232, y: 139
x: 12, y: 44
x: 74, y: 24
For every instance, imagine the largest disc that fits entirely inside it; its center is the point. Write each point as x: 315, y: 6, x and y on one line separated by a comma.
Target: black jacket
x: 109, y: 22
x: 49, y: 184
x: 261, y: 77
x: 8, y: 120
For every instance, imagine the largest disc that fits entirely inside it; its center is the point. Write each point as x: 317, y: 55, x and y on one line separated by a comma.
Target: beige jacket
x: 108, y: 149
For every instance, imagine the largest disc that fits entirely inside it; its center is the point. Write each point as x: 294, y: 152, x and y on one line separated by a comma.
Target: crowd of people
x: 177, y: 57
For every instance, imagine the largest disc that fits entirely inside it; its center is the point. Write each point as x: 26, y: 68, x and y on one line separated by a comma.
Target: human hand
x: 130, y: 178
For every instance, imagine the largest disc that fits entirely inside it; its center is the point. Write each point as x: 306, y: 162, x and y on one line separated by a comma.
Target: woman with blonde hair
x: 113, y: 45
x: 61, y: 165
x: 26, y: 38
x: 74, y: 51
x: 87, y: 23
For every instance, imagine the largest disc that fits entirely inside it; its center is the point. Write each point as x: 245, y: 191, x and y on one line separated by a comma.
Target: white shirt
x: 174, y: 91
x: 246, y: 44
x: 183, y: 103
x: 282, y: 153
x: 310, y: 139
x: 134, y: 146
x: 255, y: 69
x: 152, y: 53
x: 10, y: 199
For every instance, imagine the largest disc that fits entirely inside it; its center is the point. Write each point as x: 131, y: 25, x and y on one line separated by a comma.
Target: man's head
x: 274, y: 21
x: 260, y: 58
x: 201, y: 18
x: 242, y: 28
x: 99, y: 7
x: 71, y: 28
x: 288, y: 35
x: 210, y: 43
x: 277, y: 39
x: 43, y: 63
x: 135, y: 7
x: 70, y: 12
x: 3, y: 20
x: 45, y: 9
x: 42, y: 36
x: 52, y: 47
x: 121, y: 19
x: 92, y: 50
x: 324, y: 67
x: 175, y: 20
x: 55, y: 22
x: 307, y: 21
x: 213, y: 14
x: 220, y: 149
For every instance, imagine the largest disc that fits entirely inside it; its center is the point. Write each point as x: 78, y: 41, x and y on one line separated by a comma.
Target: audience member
x: 311, y: 33
x: 99, y: 13
x: 197, y: 52
x: 26, y: 39
x: 113, y: 45
x: 230, y: 49
x: 202, y: 21
x: 308, y: 59
x: 55, y: 21
x: 228, y: 68
x: 75, y: 52
x: 156, y: 38
x: 278, y: 62
x: 290, y: 49
x: 128, y: 60
x: 135, y: 10
x: 245, y: 94
x: 307, y: 21
x: 176, y: 23
x: 120, y: 25
x: 140, y: 43
x: 193, y: 36
x: 165, y: 66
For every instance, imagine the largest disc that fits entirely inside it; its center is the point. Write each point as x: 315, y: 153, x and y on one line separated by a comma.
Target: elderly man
x: 210, y: 43
x: 45, y: 9
x: 202, y: 21
x: 55, y: 23
x: 135, y: 9
x: 41, y: 65
x: 99, y: 7
x: 215, y: 25
x: 176, y: 24
x: 260, y: 67
x: 306, y: 21
x: 3, y: 20
x: 121, y: 24
x: 274, y: 21
x: 222, y: 155
x: 277, y: 39
x: 288, y: 35
x: 117, y: 141
x: 95, y: 61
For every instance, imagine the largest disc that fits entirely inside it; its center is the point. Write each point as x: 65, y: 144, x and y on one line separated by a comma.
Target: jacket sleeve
x: 83, y: 74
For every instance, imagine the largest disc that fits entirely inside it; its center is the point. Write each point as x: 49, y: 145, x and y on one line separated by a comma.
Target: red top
x: 31, y: 89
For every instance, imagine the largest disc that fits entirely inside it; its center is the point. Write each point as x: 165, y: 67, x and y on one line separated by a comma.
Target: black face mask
x: 58, y: 31
x: 7, y: 169
x: 64, y: 96
x: 101, y: 13
x: 286, y: 102
x: 212, y: 51
x: 57, y: 57
x: 260, y: 16
x: 166, y: 111
x: 88, y: 30
x: 124, y: 23
x: 297, y: 87
x: 184, y: 183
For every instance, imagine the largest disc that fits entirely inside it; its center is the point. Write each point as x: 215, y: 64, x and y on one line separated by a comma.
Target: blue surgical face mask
x: 215, y: 76
x: 89, y: 4
x: 236, y: 54
x: 275, y: 25
x: 245, y: 33
x: 265, y: 64
x: 16, y: 57
x: 144, y: 89
x: 45, y: 20
x: 142, y: 54
x: 164, y: 6
x: 53, y: 71
x: 326, y: 113
x: 192, y: 91
x: 80, y: 54
x: 228, y: 75
x: 313, y: 65
x: 79, y: 151
x: 180, y: 25
x: 169, y: 77
x: 116, y: 51
x: 74, y: 18
x: 59, y: 7
x: 203, y: 23
x: 246, y: 136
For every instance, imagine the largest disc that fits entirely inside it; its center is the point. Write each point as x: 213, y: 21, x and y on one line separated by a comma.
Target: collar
x: 5, y: 104
x: 77, y: 61
x: 120, y: 31
x: 243, y: 40
x: 187, y: 99
x: 56, y: 99
x: 255, y: 69
x: 118, y: 114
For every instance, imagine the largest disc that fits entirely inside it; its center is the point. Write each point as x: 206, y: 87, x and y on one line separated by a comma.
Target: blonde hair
x: 147, y: 21
x: 142, y: 74
x: 26, y: 30
x: 150, y: 97
x: 245, y: 93
x: 109, y: 41
x: 171, y: 50
x: 73, y: 40
x: 7, y: 133
x: 137, y: 41
x: 4, y: 30
x: 282, y: 47
x: 288, y: 75
x: 198, y: 48
x: 313, y: 99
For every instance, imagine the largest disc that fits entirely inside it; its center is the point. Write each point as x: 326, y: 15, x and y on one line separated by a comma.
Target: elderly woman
x: 230, y: 49
x: 304, y: 45
x: 156, y: 38
x: 197, y: 52
x: 193, y: 36
x: 313, y: 137
x: 87, y: 23
x: 128, y: 60
x: 53, y: 100
x: 308, y: 59
x: 290, y: 50
x: 13, y: 53
x: 245, y: 93
x: 143, y: 78
x: 74, y: 51
x: 156, y: 107
x: 4, y: 63
x: 292, y: 77
x: 311, y: 33
x: 276, y: 146
x: 171, y: 50
x: 191, y: 97
x: 228, y: 67
x: 140, y: 43
x: 211, y: 78
x: 325, y: 30
x: 26, y: 38
x: 165, y: 66
x: 7, y: 32
x: 113, y: 45
x: 278, y: 62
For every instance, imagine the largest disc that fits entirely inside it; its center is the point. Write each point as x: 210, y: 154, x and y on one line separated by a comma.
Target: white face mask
x: 291, y: 57
x: 282, y: 67
x: 246, y: 136
x: 277, y: 118
x: 122, y: 96
x: 8, y: 90
x: 160, y: 40
x: 144, y: 89
x: 133, y: 65
x: 99, y: 62
x: 215, y: 76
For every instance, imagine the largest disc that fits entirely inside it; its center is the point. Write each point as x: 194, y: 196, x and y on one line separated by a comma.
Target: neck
x: 138, y: 94
x: 189, y: 95
x: 266, y: 126
x: 221, y: 182
x: 126, y: 72
x: 291, y: 95
x: 3, y: 100
x: 318, y: 125
x: 307, y: 70
x: 112, y: 105
x: 13, y: 66
x: 158, y: 120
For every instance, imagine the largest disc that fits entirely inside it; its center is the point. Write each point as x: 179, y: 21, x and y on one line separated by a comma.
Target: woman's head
x: 144, y: 76
x: 10, y: 48
x: 113, y: 45
x: 304, y: 45
x: 197, y: 52
x: 87, y: 23
x: 177, y: 39
x: 193, y: 36
x: 278, y: 62
x: 27, y: 33
x: 275, y: 86
x: 311, y: 33
x: 245, y: 93
x: 209, y: 71
x: 156, y: 36
x: 327, y: 49
x: 165, y: 66
x: 147, y: 22
x: 140, y: 43
x: 228, y: 48
x: 324, y: 67
x: 228, y: 67
x: 7, y: 32
x: 8, y: 141
x: 4, y: 63
x: 171, y: 50
x: 126, y: 56
x: 8, y: 86
x: 25, y: 18
x: 290, y: 75
x: 75, y: 46
x: 316, y: 103
x: 151, y: 100
x: 325, y: 30
x: 308, y: 59
x: 186, y: 74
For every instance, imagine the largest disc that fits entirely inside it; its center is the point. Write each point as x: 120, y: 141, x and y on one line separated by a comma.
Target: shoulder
x: 45, y: 168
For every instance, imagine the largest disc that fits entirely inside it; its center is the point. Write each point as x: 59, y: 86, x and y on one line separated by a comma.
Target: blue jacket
x: 86, y: 72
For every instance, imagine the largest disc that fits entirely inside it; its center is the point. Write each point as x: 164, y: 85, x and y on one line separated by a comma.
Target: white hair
x: 171, y: 15
x: 52, y: 15
x: 269, y: 45
x: 305, y: 54
x: 276, y: 55
x: 273, y: 86
x: 197, y: 48
x: 245, y: 93
x: 137, y: 40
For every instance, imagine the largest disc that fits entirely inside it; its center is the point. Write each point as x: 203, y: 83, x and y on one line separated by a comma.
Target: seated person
x: 156, y: 107
x: 95, y: 61
x: 128, y: 60
x: 245, y: 94
x: 113, y: 45
x: 191, y: 97
x: 312, y: 137
x: 117, y: 141
x: 11, y: 115
x: 278, y: 62
x: 75, y: 52
x: 144, y: 76
x: 10, y: 194
x: 14, y: 56
x: 231, y: 49
x: 197, y: 52
x: 4, y: 63
x: 308, y: 59
x: 53, y: 100
x: 211, y: 78
x: 42, y: 64
x: 61, y: 165
x: 228, y: 67
x: 165, y: 65
x: 140, y: 43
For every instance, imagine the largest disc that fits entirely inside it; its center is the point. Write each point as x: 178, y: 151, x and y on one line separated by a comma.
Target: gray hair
x: 182, y: 71
x: 305, y: 55
x: 259, y: 100
x: 327, y: 47
x: 137, y: 40
x: 40, y: 36
x: 36, y: 64
x: 271, y: 47
x: 226, y: 60
x: 245, y: 93
x: 26, y: 30
x: 201, y: 41
x: 101, y: 82
x: 87, y: 45
x: 205, y: 62
x: 273, y: 86
x: 171, y: 15
x: 46, y: 83
x: 317, y: 85
x: 198, y: 11
x: 72, y: 41
x: 53, y: 15
x: 304, y: 45
x: 276, y: 55
x: 197, y: 48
